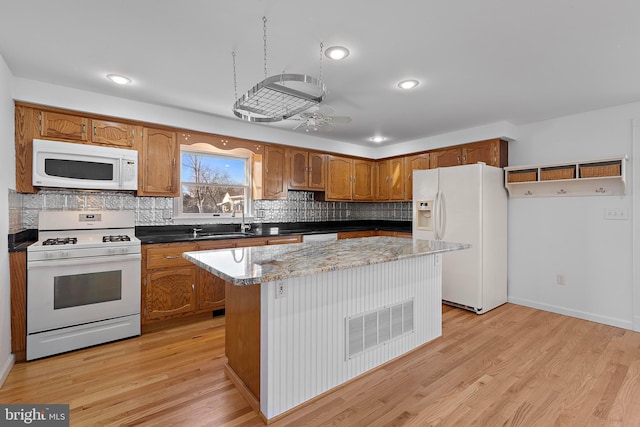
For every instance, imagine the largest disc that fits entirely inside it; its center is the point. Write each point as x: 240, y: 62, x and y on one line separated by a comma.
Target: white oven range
x: 83, y: 281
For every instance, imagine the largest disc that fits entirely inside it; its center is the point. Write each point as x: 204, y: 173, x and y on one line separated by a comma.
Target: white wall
x: 7, y: 180
x: 569, y: 236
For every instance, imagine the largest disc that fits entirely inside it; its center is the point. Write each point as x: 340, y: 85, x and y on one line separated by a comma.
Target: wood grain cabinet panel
x: 70, y: 127
x: 209, y: 291
x: 170, y: 291
x: 306, y: 170
x: 273, y: 173
x: 362, y: 180
x: 112, y: 133
x: 18, y: 294
x: 492, y: 152
x: 158, y: 163
x: 411, y: 163
x: 339, y: 178
x: 447, y: 157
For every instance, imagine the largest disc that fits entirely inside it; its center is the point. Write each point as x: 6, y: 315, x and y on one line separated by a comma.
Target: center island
x: 303, y: 318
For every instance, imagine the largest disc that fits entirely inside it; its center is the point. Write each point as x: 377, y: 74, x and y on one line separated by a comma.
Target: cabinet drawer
x: 283, y: 240
x: 168, y: 256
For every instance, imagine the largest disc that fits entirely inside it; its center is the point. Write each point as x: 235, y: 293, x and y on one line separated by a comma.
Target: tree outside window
x: 212, y: 184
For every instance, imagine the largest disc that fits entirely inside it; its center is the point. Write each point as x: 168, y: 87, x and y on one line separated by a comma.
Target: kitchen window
x: 213, y: 184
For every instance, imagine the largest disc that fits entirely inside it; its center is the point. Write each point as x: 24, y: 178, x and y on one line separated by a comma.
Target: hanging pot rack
x: 271, y: 100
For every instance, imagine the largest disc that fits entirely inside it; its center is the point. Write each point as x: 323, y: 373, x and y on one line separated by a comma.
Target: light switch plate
x: 616, y: 214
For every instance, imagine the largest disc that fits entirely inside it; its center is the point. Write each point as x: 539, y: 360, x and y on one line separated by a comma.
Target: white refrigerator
x: 466, y: 204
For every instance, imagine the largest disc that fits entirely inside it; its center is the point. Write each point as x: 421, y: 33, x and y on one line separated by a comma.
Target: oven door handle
x: 82, y: 261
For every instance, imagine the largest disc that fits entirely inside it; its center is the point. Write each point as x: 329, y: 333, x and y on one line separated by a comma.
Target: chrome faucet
x: 243, y: 227
x: 195, y: 232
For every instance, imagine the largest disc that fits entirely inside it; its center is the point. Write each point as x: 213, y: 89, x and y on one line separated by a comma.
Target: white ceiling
x: 479, y: 62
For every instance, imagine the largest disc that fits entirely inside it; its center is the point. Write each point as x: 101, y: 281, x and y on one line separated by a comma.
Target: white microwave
x: 70, y: 165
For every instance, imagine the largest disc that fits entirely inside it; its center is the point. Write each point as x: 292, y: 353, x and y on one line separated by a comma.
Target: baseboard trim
x: 620, y: 323
x: 6, y: 368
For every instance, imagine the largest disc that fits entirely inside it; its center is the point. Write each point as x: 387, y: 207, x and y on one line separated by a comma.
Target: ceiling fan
x: 320, y: 119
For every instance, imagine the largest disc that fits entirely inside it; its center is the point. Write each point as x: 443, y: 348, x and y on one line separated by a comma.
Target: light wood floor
x: 511, y: 366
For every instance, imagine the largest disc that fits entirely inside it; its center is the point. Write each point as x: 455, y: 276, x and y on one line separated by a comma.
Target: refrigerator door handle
x: 436, y: 217
x: 442, y: 206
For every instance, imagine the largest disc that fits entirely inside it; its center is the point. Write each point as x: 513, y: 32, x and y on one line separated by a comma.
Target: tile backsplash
x: 300, y: 206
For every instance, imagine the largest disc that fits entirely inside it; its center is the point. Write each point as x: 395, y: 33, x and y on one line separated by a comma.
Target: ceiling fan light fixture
x: 337, y: 52
x: 119, y: 79
x: 377, y: 139
x: 408, y: 84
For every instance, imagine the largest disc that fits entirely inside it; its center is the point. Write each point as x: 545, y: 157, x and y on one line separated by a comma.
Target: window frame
x: 211, y: 151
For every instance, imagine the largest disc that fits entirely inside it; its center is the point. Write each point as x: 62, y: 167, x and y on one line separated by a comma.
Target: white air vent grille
x: 374, y: 328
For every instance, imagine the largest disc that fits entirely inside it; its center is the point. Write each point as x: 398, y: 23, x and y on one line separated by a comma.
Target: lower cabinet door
x: 210, y: 291
x: 170, y: 291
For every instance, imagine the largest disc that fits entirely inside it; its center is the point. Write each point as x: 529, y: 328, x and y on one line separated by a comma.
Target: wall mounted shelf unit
x: 604, y: 177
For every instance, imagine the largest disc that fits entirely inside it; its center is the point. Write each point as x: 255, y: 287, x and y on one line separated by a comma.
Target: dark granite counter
x: 184, y: 233
x: 18, y: 242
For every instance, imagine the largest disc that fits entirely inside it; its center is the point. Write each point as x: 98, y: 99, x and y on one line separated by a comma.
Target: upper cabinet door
x: 63, y: 126
x: 112, y: 133
x: 298, y: 169
x: 158, y: 163
x: 317, y: 171
x: 362, y: 179
x: 417, y: 162
x: 396, y: 179
x: 381, y: 180
x: 273, y: 170
x: 443, y: 158
x: 492, y: 152
x: 339, y: 178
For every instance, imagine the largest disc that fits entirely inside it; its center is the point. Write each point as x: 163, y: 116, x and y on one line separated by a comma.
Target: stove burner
x: 61, y: 241
x: 119, y: 238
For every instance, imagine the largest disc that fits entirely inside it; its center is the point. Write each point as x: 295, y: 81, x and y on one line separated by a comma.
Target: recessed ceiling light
x: 408, y: 84
x: 119, y: 79
x: 377, y: 138
x: 337, y: 52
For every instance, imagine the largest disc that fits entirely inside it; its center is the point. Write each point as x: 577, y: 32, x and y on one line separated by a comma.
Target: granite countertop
x: 260, y: 264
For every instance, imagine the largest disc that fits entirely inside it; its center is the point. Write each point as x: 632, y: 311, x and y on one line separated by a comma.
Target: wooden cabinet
x: 210, y: 293
x: 411, y: 163
x: 274, y: 184
x: 362, y: 180
x: 492, y: 152
x: 349, y: 179
x: 112, y: 133
x: 339, y: 178
x: 446, y: 157
x: 53, y: 125
x: 356, y: 234
x: 158, y: 163
x: 170, y: 291
x: 71, y: 127
x: 168, y: 280
x: 306, y: 170
x: 18, y: 294
x: 390, y: 179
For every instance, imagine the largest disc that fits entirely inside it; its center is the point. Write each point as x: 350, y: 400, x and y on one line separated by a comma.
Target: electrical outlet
x: 560, y: 279
x: 616, y: 214
x: 281, y: 290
